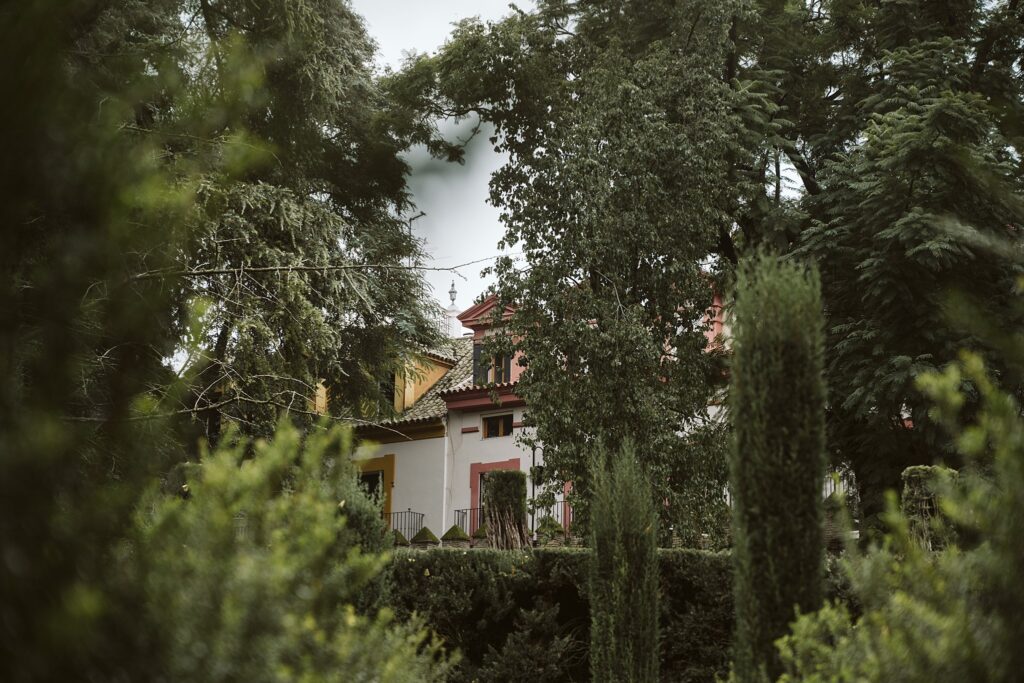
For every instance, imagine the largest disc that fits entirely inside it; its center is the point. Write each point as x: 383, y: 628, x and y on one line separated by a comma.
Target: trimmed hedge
x: 524, y: 616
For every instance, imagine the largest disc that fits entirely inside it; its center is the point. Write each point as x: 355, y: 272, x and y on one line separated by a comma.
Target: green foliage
x: 166, y: 150
x: 255, y: 136
x: 919, y: 502
x: 505, y: 508
x: 400, y: 541
x: 78, y: 343
x: 617, y: 125
x: 898, y: 120
x: 623, y: 586
x: 947, y: 616
x: 549, y: 529
x: 697, y: 620
x: 456, y: 533
x: 777, y: 467
x: 496, y: 606
x: 300, y: 256
x: 249, y: 577
x: 425, y: 536
x: 925, y: 176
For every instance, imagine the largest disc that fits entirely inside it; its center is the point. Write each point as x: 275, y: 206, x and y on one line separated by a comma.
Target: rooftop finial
x: 452, y: 293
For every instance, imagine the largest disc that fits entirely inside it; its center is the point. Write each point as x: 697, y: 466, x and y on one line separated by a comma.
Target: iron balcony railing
x: 469, y: 519
x: 409, y: 523
x: 561, y: 512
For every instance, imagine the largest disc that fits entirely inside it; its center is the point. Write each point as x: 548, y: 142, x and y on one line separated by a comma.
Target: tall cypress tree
x: 777, y: 464
x: 624, y: 574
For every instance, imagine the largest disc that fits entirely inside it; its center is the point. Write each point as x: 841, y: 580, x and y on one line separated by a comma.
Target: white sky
x: 459, y: 225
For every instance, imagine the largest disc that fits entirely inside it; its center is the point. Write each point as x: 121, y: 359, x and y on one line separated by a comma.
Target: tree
x: 617, y: 125
x: 255, y: 574
x: 72, y: 337
x: 947, y: 616
x: 796, y: 103
x: 293, y: 264
x: 123, y: 137
x: 777, y: 466
x: 901, y: 223
x: 624, y: 579
x: 300, y: 260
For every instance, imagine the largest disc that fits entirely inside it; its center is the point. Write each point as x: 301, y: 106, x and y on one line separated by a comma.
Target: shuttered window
x: 491, y: 369
x: 497, y: 425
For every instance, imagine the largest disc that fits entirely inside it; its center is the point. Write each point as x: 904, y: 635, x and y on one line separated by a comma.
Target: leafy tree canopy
x: 649, y: 140
x: 617, y: 124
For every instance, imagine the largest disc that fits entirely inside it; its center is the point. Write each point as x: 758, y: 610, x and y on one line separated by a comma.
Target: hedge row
x: 524, y: 616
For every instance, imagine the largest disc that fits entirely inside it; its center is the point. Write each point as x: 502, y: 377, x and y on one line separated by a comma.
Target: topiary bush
x: 424, y: 538
x: 505, y: 508
x: 549, y: 531
x: 921, y: 486
x: 777, y: 464
x: 456, y: 537
x: 623, y: 585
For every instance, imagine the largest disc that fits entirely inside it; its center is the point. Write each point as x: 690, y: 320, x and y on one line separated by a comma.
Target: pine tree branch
x: 229, y: 401
x: 242, y: 270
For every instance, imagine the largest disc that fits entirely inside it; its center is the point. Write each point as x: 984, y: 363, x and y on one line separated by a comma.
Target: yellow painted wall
x: 409, y: 386
x: 425, y: 373
x: 385, y: 463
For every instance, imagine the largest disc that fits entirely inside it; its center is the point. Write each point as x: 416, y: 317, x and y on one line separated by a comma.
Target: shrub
x: 953, y: 615
x: 400, y: 541
x: 253, y: 577
x: 778, y: 462
x: 548, y: 530
x: 470, y: 598
x: 495, y: 606
x: 424, y: 537
x: 623, y: 585
x: 696, y: 615
x: 921, y: 485
x: 505, y: 508
x: 455, y: 533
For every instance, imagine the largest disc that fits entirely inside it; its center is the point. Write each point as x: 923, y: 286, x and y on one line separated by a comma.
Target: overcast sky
x: 459, y: 225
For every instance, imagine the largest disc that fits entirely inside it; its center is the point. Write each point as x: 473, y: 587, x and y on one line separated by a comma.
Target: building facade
x: 457, y: 419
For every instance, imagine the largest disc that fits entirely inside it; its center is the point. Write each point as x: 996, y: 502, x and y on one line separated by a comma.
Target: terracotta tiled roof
x: 468, y: 385
x: 430, y: 405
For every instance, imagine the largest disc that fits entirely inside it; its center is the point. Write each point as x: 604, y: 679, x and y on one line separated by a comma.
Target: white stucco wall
x: 420, y: 466
x: 419, y: 477
x: 473, y: 448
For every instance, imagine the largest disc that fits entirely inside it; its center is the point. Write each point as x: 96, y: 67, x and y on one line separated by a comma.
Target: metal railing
x: 561, y: 512
x: 839, y: 480
x: 469, y: 519
x: 409, y: 523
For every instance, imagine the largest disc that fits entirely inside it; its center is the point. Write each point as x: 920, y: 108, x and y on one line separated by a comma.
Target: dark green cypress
x: 777, y: 464
x: 623, y: 574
